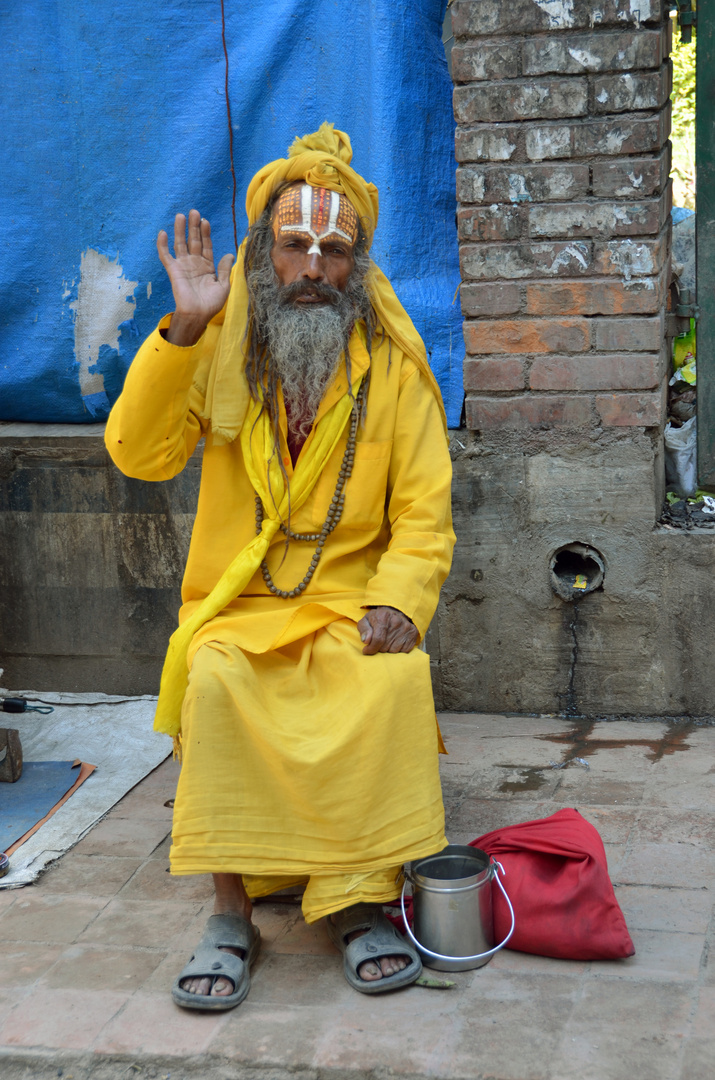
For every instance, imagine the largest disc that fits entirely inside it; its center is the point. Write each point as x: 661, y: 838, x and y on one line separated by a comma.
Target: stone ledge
x: 16, y: 431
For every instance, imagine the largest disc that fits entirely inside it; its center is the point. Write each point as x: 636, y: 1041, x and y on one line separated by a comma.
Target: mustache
x: 288, y: 294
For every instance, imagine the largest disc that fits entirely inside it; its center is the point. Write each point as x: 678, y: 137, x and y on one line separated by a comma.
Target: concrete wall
x: 504, y: 641
x: 91, y: 562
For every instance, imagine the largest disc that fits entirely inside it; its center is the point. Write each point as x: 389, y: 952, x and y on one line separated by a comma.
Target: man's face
x: 314, y: 234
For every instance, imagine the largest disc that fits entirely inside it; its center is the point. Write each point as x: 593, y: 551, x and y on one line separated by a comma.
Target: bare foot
x: 231, y: 899
x: 221, y: 987
x: 372, y: 970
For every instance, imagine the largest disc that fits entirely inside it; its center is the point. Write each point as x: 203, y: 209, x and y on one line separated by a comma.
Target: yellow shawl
x: 269, y: 482
x: 323, y: 160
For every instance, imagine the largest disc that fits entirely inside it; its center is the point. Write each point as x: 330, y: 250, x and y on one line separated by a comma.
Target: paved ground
x: 90, y: 951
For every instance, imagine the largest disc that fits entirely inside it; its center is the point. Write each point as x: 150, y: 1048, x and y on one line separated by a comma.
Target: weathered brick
x: 494, y: 373
x: 527, y: 336
x: 498, y: 222
x: 631, y: 410
x: 522, y: 183
x: 480, y: 18
x: 629, y: 371
x: 488, y: 60
x: 572, y: 54
x: 596, y: 218
x: 527, y: 410
x: 471, y: 185
x: 623, y: 93
x: 628, y: 334
x: 502, y: 298
x: 591, y: 138
x: 642, y: 296
x: 667, y: 34
x: 630, y: 258
x: 547, y: 142
x: 489, y: 261
x: 634, y: 178
x: 634, y: 135
x: 486, y: 143
x: 521, y: 100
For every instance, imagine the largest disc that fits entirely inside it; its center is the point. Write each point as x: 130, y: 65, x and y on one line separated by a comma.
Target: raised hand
x: 385, y: 629
x: 200, y: 291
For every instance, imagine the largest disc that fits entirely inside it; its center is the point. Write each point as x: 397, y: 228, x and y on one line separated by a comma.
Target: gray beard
x: 306, y: 342
x: 297, y: 343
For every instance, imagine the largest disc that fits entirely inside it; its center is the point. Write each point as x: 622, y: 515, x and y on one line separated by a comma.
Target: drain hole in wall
x: 576, y: 569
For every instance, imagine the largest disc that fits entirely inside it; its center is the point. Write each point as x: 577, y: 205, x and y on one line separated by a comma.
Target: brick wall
x: 562, y: 183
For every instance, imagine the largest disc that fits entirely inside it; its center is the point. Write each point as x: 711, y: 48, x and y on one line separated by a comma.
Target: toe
x: 369, y: 971
x: 221, y: 988
x: 390, y: 965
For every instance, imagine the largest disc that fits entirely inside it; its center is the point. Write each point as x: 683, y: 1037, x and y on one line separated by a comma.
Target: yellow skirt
x: 310, y: 763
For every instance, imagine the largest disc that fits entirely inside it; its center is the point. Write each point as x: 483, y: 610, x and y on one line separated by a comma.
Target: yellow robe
x: 304, y: 759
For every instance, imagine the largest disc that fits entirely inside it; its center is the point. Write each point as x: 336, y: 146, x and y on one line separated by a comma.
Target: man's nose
x: 313, y: 268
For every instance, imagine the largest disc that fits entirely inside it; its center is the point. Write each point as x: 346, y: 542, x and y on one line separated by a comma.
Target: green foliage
x: 683, y: 131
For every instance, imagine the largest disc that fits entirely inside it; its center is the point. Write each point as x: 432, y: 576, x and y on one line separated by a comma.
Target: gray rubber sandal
x: 208, y: 962
x: 380, y: 939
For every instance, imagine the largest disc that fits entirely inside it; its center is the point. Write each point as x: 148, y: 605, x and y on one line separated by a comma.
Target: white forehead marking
x: 334, y: 211
x: 306, y: 199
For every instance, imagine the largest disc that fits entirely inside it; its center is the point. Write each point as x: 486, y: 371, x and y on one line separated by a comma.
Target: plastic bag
x: 684, y: 349
x: 681, y: 458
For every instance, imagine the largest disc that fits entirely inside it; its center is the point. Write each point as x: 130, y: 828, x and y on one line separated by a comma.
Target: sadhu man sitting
x: 293, y: 688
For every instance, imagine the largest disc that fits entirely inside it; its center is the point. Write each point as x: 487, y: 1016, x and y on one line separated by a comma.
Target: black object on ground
x: 18, y: 705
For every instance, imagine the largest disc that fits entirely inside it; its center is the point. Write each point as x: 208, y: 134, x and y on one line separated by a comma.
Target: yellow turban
x: 321, y: 160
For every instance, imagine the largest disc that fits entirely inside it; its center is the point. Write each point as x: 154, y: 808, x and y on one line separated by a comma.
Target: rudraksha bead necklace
x: 335, y: 512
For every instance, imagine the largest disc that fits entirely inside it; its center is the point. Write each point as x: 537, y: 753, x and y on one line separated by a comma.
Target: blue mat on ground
x: 29, y: 799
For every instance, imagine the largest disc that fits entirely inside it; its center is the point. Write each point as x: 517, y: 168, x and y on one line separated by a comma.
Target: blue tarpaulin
x: 115, y: 118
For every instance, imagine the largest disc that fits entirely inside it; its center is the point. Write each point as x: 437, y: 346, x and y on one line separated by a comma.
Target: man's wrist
x: 184, y: 330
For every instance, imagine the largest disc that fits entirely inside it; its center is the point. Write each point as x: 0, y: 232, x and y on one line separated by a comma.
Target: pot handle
x: 479, y: 956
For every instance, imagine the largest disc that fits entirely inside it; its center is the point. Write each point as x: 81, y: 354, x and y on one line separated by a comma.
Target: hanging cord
x: 230, y: 126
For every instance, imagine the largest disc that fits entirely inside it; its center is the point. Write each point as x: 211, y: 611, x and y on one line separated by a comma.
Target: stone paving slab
x: 90, y: 950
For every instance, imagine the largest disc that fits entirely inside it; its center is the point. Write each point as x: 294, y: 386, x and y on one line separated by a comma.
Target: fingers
x: 179, y: 235
x: 195, y: 244
x: 162, y: 247
x: 387, y: 630
x: 375, y: 637
x: 206, y: 237
x: 365, y: 630
x: 223, y: 270
x: 404, y: 639
x: 199, y: 235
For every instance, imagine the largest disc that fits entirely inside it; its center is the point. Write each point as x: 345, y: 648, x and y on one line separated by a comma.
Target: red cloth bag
x: 556, y: 876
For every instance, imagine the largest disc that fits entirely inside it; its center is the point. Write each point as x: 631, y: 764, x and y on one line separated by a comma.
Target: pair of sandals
x: 378, y: 938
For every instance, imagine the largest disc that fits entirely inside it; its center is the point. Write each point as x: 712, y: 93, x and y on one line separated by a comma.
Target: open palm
x: 200, y: 289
